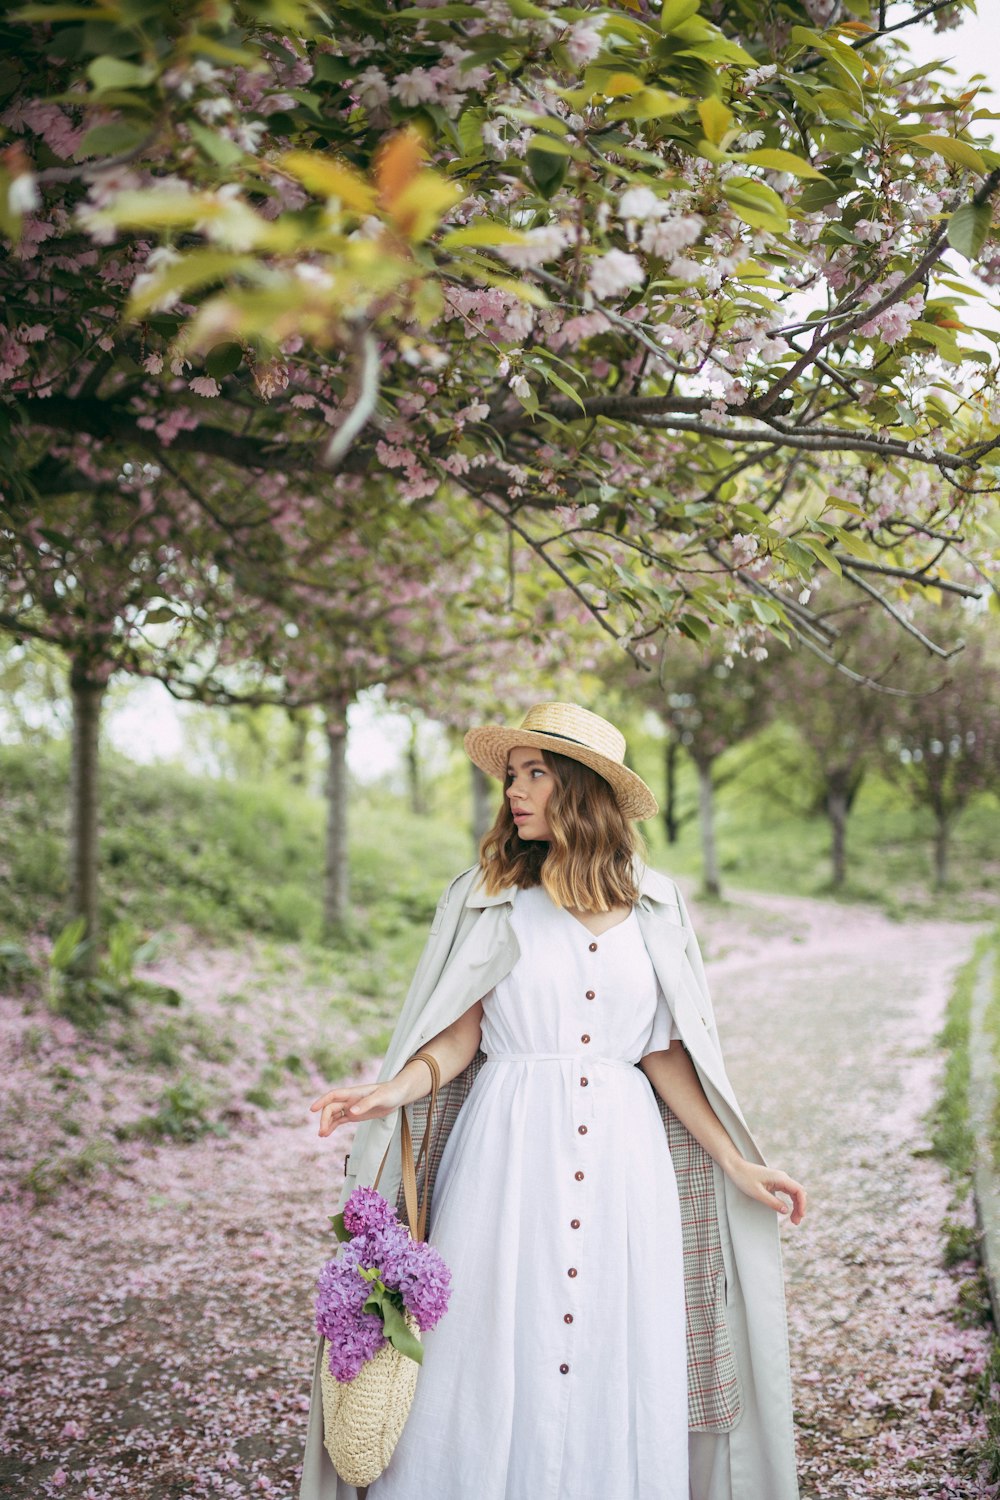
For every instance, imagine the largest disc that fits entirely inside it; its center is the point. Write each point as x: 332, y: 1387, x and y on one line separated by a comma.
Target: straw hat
x: 571, y: 731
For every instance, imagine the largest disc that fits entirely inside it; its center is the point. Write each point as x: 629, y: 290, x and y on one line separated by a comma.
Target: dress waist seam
x: 574, y: 1057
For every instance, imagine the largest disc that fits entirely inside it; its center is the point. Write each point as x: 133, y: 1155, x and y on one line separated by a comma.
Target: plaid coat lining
x: 713, y: 1381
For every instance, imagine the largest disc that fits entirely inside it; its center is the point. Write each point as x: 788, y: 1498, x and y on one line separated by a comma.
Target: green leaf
x: 694, y: 629
x: 197, y: 269
x: 716, y: 118
x: 797, y: 554
x: 218, y: 148
x: 968, y: 228
x: 756, y: 203
x: 329, y: 69
x: 399, y: 1334
x: 222, y: 360
x: 674, y: 13
x: 943, y: 339
x: 824, y: 555
x: 778, y: 160
x: 648, y: 104
x: 960, y: 153
x: 115, y: 73
x: 562, y: 385
x: 548, y: 170
x: 110, y: 140
x: 765, y: 611
x: 339, y: 1228
x: 482, y: 234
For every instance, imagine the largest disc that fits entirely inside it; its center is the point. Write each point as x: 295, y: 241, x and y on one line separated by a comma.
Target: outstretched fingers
x: 780, y: 1182
x: 340, y: 1106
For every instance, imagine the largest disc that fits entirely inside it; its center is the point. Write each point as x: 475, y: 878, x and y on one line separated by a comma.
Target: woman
x: 616, y: 1330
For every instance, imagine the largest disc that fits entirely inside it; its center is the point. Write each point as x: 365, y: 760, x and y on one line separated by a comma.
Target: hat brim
x: 489, y: 746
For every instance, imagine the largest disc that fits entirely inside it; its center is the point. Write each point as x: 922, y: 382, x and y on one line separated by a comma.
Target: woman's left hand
x: 765, y: 1183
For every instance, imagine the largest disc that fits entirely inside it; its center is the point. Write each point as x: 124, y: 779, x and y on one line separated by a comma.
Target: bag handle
x: 416, y: 1214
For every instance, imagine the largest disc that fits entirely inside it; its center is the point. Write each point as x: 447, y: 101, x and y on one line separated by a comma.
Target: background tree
x: 93, y: 572
x: 708, y: 702
x: 843, y: 711
x: 944, y: 741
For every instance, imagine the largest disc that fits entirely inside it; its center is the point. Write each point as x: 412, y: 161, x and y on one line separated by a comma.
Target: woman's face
x: 529, y: 787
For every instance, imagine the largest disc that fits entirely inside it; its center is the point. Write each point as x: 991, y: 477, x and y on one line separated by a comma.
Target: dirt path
x: 157, y: 1338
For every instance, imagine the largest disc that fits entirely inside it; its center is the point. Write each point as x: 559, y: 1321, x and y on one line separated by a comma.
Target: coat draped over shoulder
x: 739, y: 1387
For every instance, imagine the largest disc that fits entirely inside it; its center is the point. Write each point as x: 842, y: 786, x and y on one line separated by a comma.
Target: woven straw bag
x: 363, y: 1417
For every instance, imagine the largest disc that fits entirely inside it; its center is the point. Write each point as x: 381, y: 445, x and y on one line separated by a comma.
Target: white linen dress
x: 559, y: 1371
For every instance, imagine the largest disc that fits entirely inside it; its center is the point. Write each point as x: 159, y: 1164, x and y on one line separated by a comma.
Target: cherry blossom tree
x: 674, y: 294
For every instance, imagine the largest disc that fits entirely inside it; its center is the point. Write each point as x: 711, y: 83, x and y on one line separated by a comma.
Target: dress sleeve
x: 664, y: 1029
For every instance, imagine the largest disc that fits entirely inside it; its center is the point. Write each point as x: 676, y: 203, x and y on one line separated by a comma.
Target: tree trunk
x: 88, y: 696
x: 336, y: 894
x: 415, y: 777
x: 670, y: 800
x: 942, y: 838
x: 482, y: 806
x: 706, y: 821
x: 837, y: 806
x: 299, y: 719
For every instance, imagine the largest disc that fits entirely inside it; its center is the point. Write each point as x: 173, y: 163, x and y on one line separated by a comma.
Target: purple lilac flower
x: 425, y: 1282
x: 410, y: 1268
x: 353, y: 1336
x: 366, y: 1209
x: 383, y: 1246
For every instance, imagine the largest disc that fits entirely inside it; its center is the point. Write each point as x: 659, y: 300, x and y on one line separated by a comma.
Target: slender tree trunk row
x: 706, y: 819
x: 483, y: 809
x: 88, y: 697
x: 337, y: 894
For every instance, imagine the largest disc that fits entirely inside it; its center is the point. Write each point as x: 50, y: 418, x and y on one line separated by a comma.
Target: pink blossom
x: 640, y: 203
x: 667, y: 236
x: 583, y: 43
x: 540, y: 245
x: 371, y: 88
x: 415, y: 87
x: 614, y: 273
x: 153, y: 364
x: 204, y: 385
x: 23, y: 196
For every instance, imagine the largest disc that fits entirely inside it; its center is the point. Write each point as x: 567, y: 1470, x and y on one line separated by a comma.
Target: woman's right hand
x: 356, y: 1101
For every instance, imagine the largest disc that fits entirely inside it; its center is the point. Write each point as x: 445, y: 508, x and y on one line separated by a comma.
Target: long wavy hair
x: 589, y: 863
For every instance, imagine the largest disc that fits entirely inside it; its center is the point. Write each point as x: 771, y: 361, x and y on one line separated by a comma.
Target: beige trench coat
x: 740, y: 1400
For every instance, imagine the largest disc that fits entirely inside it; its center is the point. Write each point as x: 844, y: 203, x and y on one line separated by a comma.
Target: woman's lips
x: 519, y: 817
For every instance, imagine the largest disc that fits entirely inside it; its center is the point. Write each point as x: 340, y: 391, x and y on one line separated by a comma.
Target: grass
x: 954, y: 1143
x: 51, y: 1173
x: 224, y: 857
x: 220, y: 857
x: 951, y: 1132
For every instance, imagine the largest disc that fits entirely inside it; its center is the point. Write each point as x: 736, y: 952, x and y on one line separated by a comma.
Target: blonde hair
x: 588, y: 864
